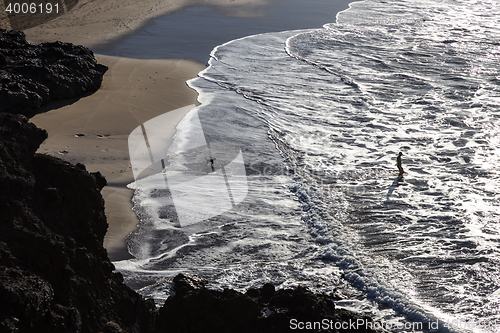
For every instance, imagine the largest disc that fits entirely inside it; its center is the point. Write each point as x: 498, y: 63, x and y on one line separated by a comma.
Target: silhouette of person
x: 398, y: 163
x: 212, y: 160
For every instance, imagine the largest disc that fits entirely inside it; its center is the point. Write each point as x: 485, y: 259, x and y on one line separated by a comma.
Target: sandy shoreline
x: 93, y: 130
x: 94, y: 22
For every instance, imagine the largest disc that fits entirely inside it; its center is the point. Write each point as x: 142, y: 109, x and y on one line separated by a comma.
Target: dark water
x: 319, y: 116
x: 194, y: 32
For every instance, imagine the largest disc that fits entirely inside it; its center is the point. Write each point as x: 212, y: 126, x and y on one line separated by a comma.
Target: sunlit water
x: 320, y: 116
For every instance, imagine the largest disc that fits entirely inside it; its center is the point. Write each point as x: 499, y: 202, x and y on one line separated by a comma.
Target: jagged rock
x: 55, y: 275
x: 32, y: 75
x: 184, y: 283
x: 194, y: 308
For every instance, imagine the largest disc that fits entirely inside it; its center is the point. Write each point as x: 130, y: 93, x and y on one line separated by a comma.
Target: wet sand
x: 94, y: 22
x: 93, y: 130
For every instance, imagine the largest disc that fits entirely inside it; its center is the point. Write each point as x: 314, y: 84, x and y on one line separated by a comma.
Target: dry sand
x: 93, y: 22
x: 93, y: 130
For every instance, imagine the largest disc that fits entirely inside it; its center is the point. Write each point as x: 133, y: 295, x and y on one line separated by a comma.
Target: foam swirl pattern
x: 320, y: 116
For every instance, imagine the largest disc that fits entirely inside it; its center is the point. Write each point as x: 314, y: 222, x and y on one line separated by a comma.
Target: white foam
x: 425, y: 247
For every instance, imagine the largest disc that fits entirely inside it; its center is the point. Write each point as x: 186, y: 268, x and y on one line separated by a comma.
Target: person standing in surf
x: 398, y: 163
x: 212, y: 164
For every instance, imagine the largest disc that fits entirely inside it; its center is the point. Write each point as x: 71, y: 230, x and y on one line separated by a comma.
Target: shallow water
x: 195, y: 31
x: 319, y: 117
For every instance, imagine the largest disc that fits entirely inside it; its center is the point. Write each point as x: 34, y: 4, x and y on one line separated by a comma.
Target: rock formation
x: 194, y: 308
x: 55, y: 275
x: 32, y: 75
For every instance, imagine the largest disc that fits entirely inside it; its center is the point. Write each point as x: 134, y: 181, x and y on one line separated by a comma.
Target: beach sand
x: 93, y: 130
x: 94, y: 22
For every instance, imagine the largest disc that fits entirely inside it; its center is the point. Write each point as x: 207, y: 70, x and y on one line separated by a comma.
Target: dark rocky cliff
x: 32, y: 75
x: 55, y: 275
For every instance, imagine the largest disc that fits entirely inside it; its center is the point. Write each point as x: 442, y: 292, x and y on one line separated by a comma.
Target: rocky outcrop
x: 32, y: 75
x: 55, y: 275
x: 194, y: 308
